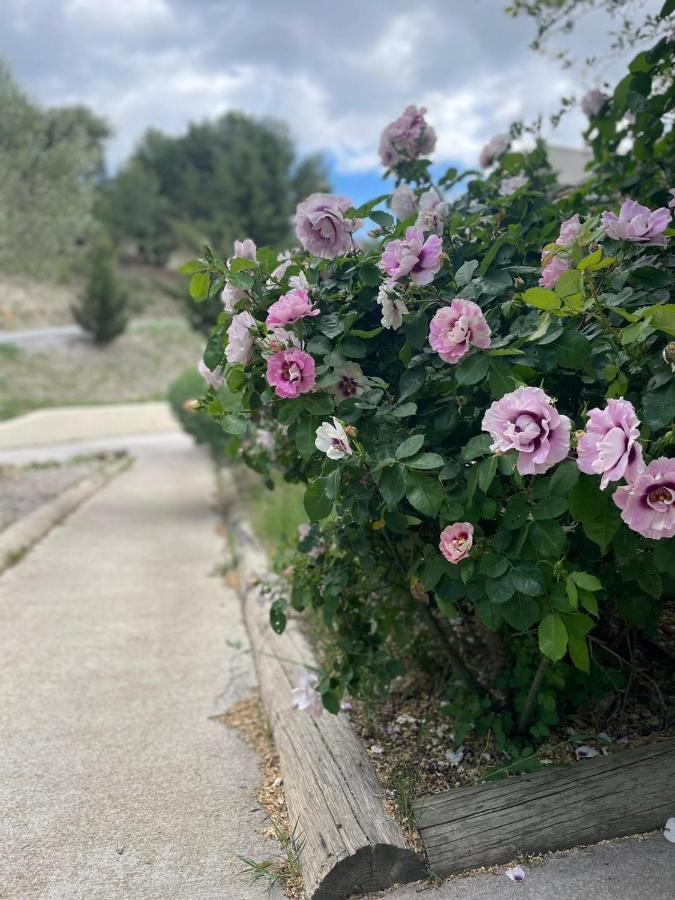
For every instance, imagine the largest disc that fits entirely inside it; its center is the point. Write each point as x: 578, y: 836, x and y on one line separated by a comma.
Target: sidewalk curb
x: 351, y: 844
x: 21, y: 536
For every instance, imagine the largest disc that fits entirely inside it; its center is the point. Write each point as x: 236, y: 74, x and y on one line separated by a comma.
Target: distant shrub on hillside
x: 103, y: 307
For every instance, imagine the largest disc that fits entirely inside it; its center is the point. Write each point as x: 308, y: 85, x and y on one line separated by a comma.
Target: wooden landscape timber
x: 565, y: 806
x: 350, y: 844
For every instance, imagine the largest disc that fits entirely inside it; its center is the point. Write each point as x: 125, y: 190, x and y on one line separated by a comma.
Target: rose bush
x: 487, y: 446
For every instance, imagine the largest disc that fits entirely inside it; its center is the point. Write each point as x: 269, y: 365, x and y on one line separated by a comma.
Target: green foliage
x: 102, y: 308
x: 50, y: 161
x: 553, y: 569
x: 182, y: 395
x: 221, y: 180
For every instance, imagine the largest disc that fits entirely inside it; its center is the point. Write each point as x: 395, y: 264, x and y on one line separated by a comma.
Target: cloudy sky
x: 337, y: 72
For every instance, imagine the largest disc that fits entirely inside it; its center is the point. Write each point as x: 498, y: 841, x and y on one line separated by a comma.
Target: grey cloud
x: 336, y: 71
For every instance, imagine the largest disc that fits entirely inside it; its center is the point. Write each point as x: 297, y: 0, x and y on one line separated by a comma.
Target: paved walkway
x: 72, y: 424
x: 114, y: 652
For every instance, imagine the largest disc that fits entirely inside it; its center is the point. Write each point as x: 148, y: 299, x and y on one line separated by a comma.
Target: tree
x: 50, y: 162
x: 221, y: 180
x: 102, y: 309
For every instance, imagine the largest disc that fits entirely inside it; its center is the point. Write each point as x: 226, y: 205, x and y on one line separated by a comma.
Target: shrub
x: 182, y: 395
x: 102, y: 308
x: 480, y: 403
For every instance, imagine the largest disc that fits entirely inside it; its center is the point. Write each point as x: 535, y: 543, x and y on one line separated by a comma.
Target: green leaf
x: 304, y: 434
x: 472, y: 369
x: 662, y: 317
x: 332, y: 484
x: 319, y: 404
x: 426, y: 461
x: 552, y: 637
x: 572, y: 592
x: 233, y: 424
x: 383, y: 219
x: 517, y: 512
x: 520, y: 612
x: 477, y: 446
x: 588, y: 262
x: 588, y: 601
x: 317, y: 503
x: 595, y: 510
x: 199, y: 286
x: 464, y: 274
x: 411, y: 381
x: 486, y: 473
x: 241, y: 280
x: 572, y: 350
x: 586, y: 581
x: 578, y: 649
x: 410, y: 446
x: 189, y: 268
x: 659, y: 406
x: 528, y: 579
x: 499, y: 590
x: 493, y: 564
x: 331, y: 702
x: 549, y: 539
x: 405, y: 410
x: 542, y: 298
x: 564, y: 478
x: 550, y: 508
x: 425, y: 494
x: 392, y: 484
x: 370, y: 274
x: 278, y: 616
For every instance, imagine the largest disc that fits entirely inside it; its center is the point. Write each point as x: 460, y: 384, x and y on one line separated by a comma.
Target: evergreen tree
x: 102, y: 309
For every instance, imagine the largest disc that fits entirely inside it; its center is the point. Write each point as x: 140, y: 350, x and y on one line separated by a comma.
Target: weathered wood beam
x: 351, y: 845
x: 581, y: 803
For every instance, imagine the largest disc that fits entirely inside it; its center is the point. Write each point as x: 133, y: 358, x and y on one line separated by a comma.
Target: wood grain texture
x: 554, y: 809
x: 351, y: 844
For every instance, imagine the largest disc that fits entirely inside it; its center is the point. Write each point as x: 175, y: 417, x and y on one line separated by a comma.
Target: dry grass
x: 249, y: 719
x: 139, y: 365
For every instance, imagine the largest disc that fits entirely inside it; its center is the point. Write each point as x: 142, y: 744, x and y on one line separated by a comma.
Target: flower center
x: 291, y: 372
x: 348, y: 386
x: 659, y: 497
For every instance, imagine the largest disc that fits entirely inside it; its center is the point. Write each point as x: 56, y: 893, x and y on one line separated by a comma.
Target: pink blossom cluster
x: 407, y: 138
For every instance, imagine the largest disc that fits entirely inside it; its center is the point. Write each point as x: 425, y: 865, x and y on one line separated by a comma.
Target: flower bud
x: 351, y: 430
x: 669, y: 354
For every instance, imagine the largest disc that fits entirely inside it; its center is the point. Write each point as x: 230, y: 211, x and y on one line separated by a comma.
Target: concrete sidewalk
x: 114, y: 782
x: 74, y: 424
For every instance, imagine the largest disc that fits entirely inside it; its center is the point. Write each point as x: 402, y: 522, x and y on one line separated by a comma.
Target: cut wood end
x: 372, y: 868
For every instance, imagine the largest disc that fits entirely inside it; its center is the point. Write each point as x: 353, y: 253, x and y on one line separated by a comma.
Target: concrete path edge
x: 21, y: 536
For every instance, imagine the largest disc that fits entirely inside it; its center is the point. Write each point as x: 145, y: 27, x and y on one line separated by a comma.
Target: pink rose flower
x: 671, y: 203
x: 245, y: 250
x: 552, y: 268
x: 291, y: 373
x: 456, y: 327
x: 413, y: 256
x: 321, y: 225
x: 610, y: 445
x: 637, y: 223
x: 403, y: 202
x: 213, y: 377
x: 230, y: 296
x: 433, y: 211
x: 290, y: 307
x: 305, y: 696
x: 350, y: 382
x: 456, y: 541
x: 525, y: 420
x: 647, y: 504
x: 569, y: 231
x: 239, y: 339
x: 495, y: 148
x: 592, y: 103
x: 406, y: 138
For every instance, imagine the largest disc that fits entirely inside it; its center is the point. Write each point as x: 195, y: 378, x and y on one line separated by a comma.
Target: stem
x: 533, y: 693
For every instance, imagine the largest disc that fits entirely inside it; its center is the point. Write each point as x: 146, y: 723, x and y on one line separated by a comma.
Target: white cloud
x: 119, y: 15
